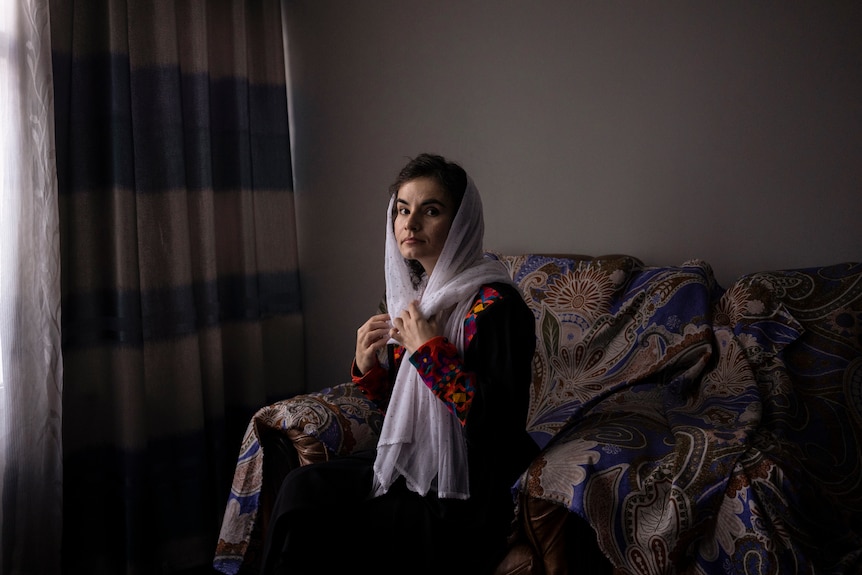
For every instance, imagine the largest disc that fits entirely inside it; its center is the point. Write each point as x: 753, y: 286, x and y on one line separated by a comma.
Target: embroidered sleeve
x: 374, y: 383
x: 442, y: 368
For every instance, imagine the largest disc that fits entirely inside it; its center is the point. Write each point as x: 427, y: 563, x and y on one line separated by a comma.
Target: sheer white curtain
x: 30, y: 356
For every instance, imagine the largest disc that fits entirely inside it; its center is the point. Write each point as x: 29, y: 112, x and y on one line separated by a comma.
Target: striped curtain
x: 180, y: 298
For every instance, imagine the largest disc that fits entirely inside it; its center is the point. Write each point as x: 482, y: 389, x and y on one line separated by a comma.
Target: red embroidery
x: 442, y: 368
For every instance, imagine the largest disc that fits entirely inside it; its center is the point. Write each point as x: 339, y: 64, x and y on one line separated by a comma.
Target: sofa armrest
x: 311, y: 428
x: 281, y: 436
x: 316, y: 426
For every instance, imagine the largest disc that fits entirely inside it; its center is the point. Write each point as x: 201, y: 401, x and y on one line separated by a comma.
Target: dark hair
x: 451, y: 177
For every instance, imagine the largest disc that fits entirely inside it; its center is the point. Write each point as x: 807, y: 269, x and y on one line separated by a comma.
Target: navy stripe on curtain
x: 131, y: 317
x: 185, y: 143
x: 181, y: 307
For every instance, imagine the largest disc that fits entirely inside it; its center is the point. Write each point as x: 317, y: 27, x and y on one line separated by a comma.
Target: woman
x: 451, y: 365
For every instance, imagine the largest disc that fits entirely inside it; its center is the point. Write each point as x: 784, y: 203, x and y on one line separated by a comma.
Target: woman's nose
x: 411, y: 223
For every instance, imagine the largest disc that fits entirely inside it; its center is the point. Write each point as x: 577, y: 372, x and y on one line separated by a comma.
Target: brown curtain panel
x: 181, y: 310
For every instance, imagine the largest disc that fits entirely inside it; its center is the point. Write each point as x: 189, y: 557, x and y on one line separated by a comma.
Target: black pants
x: 325, y: 521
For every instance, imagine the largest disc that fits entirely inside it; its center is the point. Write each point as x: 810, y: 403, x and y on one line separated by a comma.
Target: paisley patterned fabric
x: 605, y: 324
x: 696, y: 429
x: 313, y: 427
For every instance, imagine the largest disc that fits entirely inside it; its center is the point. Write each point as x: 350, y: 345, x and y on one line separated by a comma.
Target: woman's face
x: 423, y: 215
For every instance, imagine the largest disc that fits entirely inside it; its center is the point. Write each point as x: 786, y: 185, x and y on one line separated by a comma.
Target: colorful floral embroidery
x: 439, y: 365
x: 442, y: 368
x: 487, y: 296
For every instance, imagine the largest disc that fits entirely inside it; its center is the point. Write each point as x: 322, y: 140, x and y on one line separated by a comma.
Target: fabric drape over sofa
x: 686, y: 427
x: 181, y: 305
x: 696, y: 428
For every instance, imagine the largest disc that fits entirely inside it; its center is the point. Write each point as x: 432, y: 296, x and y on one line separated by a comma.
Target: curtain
x: 31, y: 369
x: 180, y: 297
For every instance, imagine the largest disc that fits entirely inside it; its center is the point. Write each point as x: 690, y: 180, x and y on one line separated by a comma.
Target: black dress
x: 325, y: 520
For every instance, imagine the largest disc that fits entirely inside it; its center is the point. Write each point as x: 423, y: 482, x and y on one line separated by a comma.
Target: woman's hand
x: 371, y: 337
x: 412, y: 330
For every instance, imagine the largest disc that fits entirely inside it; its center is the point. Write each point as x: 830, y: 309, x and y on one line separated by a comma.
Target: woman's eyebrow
x: 429, y: 202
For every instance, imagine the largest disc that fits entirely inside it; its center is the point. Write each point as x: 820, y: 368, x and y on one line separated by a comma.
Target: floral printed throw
x: 312, y: 427
x: 697, y: 429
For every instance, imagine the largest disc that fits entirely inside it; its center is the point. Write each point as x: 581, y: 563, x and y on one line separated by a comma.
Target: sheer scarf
x: 421, y: 439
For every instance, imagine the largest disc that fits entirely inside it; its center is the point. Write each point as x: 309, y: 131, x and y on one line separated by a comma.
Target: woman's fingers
x: 371, y: 337
x: 411, y: 329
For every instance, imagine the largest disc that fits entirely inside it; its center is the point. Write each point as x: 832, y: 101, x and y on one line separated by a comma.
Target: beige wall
x: 725, y: 131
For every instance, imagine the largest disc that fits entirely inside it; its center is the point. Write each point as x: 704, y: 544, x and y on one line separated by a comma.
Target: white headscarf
x: 421, y: 439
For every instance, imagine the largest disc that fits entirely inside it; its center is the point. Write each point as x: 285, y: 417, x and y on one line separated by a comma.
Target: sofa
x: 685, y: 427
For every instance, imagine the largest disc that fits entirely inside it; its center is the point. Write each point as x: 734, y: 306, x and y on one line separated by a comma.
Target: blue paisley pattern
x: 698, y: 429
x: 334, y: 421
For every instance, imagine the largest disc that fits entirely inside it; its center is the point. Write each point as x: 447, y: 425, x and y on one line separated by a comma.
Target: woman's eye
x: 432, y: 211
